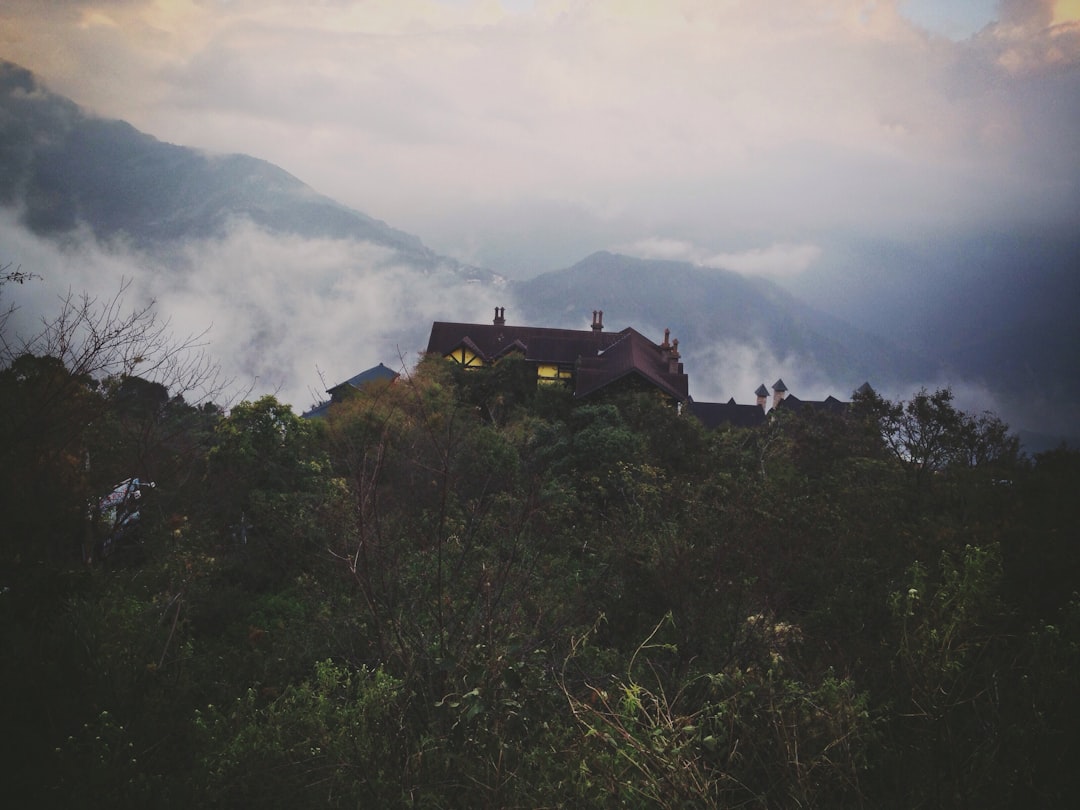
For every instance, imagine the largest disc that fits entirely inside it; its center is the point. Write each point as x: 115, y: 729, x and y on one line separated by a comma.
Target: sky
x: 522, y: 135
x: 774, y: 139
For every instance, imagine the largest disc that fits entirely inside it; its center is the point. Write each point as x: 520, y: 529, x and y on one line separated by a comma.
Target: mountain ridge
x: 63, y: 169
x: 66, y: 166
x: 707, y: 306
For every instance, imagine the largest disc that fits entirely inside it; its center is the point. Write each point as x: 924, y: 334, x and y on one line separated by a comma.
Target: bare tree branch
x: 100, y: 338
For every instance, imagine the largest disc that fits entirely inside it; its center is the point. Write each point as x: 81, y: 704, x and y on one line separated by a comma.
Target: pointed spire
x: 779, y: 392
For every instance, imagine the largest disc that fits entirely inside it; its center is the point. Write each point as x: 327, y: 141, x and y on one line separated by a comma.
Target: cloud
x: 776, y: 261
x: 712, y: 123
x: 735, y: 369
x: 279, y: 309
x: 658, y: 247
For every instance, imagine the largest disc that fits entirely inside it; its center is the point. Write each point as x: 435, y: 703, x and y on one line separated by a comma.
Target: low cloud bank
x: 289, y: 316
x: 779, y: 260
x: 730, y: 369
x: 280, y: 311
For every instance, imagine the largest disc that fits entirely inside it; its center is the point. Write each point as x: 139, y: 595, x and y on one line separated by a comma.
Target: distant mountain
x: 997, y: 309
x: 713, y: 310
x: 64, y: 166
x: 997, y: 314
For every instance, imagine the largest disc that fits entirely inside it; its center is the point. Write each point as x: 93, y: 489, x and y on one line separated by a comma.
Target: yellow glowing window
x: 465, y: 357
x: 549, y: 372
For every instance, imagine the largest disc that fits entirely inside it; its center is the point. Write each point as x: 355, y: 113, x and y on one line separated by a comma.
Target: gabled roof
x: 632, y: 354
x: 599, y: 358
x: 540, y: 344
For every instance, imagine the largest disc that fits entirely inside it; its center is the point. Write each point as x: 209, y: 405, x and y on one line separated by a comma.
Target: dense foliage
x: 459, y: 590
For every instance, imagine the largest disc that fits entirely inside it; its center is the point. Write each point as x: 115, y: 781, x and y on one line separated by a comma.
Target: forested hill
x: 461, y: 590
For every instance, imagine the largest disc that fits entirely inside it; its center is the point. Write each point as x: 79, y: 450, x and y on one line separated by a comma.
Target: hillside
x: 458, y: 592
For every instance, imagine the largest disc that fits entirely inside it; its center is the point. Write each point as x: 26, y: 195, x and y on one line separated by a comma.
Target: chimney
x: 779, y: 392
x: 500, y: 316
x: 667, y: 341
x: 673, y: 364
x: 762, y: 395
x: 598, y: 320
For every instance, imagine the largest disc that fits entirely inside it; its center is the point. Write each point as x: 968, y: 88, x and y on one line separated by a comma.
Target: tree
x: 59, y: 385
x: 101, y: 337
x: 929, y: 435
x: 267, y: 472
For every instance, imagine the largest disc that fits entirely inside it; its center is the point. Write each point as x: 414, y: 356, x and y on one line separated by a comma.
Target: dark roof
x: 600, y: 358
x: 762, y: 391
x: 318, y: 411
x: 830, y: 403
x: 632, y: 354
x: 379, y: 372
x: 714, y: 414
x: 540, y: 344
x: 374, y: 374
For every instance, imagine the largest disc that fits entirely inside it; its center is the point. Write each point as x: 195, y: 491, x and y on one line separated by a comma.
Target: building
x: 588, y: 361
x: 782, y: 398
x: 341, y: 391
x: 716, y: 414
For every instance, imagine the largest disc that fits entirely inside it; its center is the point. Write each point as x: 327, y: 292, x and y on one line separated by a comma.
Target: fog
x: 869, y: 156
x: 282, y: 314
x: 522, y: 136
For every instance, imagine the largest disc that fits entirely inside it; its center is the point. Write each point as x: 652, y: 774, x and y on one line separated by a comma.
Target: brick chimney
x: 500, y: 316
x: 762, y: 395
x: 673, y: 364
x: 598, y: 320
x: 779, y: 392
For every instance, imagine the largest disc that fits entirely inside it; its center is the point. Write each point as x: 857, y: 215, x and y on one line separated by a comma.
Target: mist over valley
x: 299, y: 292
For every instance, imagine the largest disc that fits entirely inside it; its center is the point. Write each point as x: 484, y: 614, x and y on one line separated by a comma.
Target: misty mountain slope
x: 998, y: 309
x: 297, y: 291
x: 712, y: 312
x: 296, y: 284
x: 61, y: 166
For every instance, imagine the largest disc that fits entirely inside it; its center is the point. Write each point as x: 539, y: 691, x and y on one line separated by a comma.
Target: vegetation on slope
x: 463, y: 591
